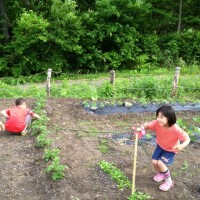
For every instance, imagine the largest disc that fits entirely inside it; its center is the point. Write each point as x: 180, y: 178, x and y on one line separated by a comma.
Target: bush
x: 105, y: 91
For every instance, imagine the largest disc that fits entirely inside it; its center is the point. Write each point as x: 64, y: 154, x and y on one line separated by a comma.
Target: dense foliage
x: 97, y: 35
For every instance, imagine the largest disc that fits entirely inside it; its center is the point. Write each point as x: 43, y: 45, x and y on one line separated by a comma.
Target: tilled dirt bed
x: 78, y: 134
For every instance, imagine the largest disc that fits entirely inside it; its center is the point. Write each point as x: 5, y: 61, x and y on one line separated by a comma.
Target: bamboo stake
x: 134, y: 163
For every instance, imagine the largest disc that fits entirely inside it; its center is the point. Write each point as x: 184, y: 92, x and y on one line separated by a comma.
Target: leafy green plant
x: 139, y: 196
x: 40, y: 103
x: 94, y: 104
x: 75, y: 89
x: 34, y: 29
x: 56, y: 169
x: 181, y: 123
x: 50, y: 154
x: 174, y: 174
x: 148, y: 136
x: 86, y: 104
x: 101, y: 105
x: 39, y: 126
x: 190, y: 129
x: 42, y: 140
x: 116, y: 174
x: 120, y: 103
x: 24, y: 79
x: 106, y: 91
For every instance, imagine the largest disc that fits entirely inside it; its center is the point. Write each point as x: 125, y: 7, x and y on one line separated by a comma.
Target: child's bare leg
x: 163, y: 174
x: 159, y: 166
x: 2, y: 126
x: 27, y: 122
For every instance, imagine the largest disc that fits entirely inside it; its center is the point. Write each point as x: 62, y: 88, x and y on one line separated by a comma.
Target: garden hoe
x: 138, y: 134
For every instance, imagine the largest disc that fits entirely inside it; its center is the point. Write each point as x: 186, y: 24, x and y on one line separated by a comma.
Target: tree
x: 180, y: 15
x: 96, y: 35
x: 113, y: 31
x: 4, y: 21
x: 28, y: 46
x: 85, y: 5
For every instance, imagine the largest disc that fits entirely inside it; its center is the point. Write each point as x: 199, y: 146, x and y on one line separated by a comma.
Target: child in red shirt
x: 168, y: 137
x: 18, y: 117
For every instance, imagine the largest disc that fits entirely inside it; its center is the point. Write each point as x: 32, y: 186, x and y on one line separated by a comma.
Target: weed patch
x: 103, y: 146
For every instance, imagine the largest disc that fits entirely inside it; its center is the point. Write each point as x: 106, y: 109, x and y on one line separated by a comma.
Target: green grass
x: 103, y: 146
x: 140, y: 87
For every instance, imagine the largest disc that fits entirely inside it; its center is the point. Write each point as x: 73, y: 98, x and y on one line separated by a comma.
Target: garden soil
x: 79, y: 135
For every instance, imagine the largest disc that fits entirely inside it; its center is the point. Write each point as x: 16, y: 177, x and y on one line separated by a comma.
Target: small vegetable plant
x: 42, y: 140
x: 191, y: 130
x: 50, y: 154
x: 56, y: 169
x: 139, y: 196
x: 116, y: 174
x: 122, y: 181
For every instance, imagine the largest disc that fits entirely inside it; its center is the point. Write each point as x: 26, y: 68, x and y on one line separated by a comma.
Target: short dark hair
x: 19, y: 101
x: 168, y: 112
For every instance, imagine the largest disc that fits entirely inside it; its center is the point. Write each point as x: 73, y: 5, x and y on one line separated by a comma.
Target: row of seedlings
x: 51, y: 155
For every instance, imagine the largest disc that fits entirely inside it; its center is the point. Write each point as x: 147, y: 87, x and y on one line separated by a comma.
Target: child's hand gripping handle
x: 140, y: 131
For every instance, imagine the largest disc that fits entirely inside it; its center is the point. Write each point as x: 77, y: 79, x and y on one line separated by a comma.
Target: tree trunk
x: 3, y: 21
x: 180, y: 15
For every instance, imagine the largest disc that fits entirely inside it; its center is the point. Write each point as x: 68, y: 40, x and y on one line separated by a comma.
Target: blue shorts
x: 166, y: 157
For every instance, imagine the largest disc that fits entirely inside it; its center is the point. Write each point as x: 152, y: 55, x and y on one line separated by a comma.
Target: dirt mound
x: 78, y: 135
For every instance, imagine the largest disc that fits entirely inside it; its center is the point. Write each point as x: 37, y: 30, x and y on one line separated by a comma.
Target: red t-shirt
x: 167, y: 138
x: 16, y: 121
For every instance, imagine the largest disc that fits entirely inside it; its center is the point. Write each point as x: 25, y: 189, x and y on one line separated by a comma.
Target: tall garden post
x: 48, y: 85
x: 112, y: 77
x: 175, y: 82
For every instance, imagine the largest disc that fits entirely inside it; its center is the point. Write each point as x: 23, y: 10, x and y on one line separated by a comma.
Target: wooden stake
x: 48, y: 86
x: 112, y: 77
x: 175, y: 82
x: 134, y: 163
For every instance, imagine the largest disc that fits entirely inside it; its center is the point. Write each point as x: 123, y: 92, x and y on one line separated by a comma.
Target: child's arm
x: 36, y: 116
x: 4, y: 113
x: 180, y: 147
x: 145, y: 126
x: 140, y: 131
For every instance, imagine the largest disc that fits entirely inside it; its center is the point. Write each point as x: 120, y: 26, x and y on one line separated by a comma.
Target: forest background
x: 88, y: 36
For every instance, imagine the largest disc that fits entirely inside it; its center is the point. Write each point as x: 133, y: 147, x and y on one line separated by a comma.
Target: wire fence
x: 133, y: 83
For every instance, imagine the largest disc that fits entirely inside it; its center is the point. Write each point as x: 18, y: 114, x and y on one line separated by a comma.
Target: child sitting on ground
x: 18, y: 118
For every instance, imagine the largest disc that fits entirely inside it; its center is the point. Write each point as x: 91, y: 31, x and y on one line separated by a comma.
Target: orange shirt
x: 16, y: 121
x: 167, y: 138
